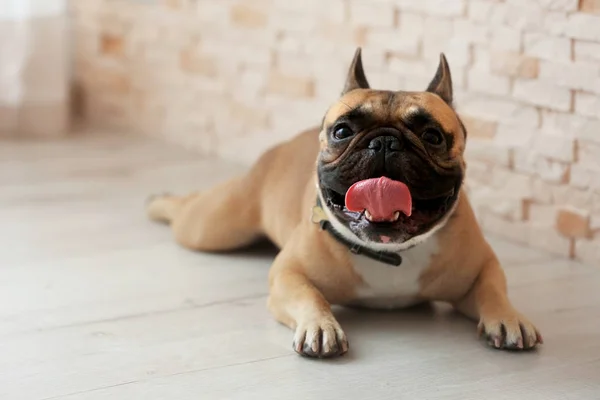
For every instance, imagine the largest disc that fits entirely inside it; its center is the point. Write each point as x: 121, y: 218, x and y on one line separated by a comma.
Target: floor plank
x: 98, y: 303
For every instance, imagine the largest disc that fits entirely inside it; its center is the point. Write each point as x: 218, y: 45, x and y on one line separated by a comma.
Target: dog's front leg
x: 296, y: 302
x: 499, y: 322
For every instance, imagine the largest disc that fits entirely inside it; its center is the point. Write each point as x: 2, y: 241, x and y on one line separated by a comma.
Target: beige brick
x: 481, y: 82
x: 583, y: 26
x: 194, y: 63
x: 573, y: 223
x: 478, y: 128
x: 586, y: 51
x: 507, y: 112
x: 372, y: 14
x: 570, y: 75
x: 248, y: 16
x: 590, y: 6
x: 587, y: 104
x: 542, y: 94
x: 504, y: 38
x: 481, y: 58
x: 514, y: 64
x: 112, y: 45
x: 547, y: 47
x: 288, y: 85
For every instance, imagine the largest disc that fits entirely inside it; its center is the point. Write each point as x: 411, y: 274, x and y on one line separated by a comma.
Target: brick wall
x: 34, y: 68
x: 232, y: 77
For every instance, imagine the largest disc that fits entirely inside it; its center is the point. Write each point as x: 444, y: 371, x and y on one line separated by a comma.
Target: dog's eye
x: 433, y: 137
x: 342, y: 131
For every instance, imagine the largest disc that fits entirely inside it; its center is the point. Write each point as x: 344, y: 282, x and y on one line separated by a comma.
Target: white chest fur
x: 387, y: 286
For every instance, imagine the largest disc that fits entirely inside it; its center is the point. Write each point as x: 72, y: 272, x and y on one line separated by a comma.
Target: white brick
x: 487, y: 151
x: 457, y: 51
x: 542, y: 191
x: 587, y: 104
x: 547, y: 47
x: 583, y: 26
x: 511, y: 183
x: 418, y: 72
x: 588, y: 251
x: 369, y: 14
x: 446, y: 8
x: 542, y: 94
x: 542, y: 215
x: 530, y: 162
x: 565, y: 195
x: 555, y: 23
x: 481, y: 58
x: 570, y: 75
x: 482, y: 82
x: 514, y: 136
x: 486, y: 200
x: 480, y: 10
x: 437, y: 27
x: 527, y: 16
x: 587, y: 51
x: 470, y: 31
x: 391, y: 40
x: 559, y: 5
x: 505, y: 111
x: 411, y: 24
x: 581, y: 177
x: 499, y: 14
x: 571, y: 125
x: 555, y: 147
x: 505, y: 38
x: 588, y: 156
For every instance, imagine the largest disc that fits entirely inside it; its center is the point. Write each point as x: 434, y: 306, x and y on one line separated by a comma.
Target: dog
x: 368, y: 210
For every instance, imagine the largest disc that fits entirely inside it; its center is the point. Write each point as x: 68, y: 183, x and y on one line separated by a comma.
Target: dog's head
x: 391, y: 163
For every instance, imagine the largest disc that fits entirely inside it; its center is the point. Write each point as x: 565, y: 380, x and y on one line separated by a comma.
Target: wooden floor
x: 96, y: 302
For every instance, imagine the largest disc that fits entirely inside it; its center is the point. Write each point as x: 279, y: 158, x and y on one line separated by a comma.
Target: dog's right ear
x: 356, y: 78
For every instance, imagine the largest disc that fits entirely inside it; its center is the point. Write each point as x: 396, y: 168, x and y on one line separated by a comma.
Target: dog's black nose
x: 385, y: 143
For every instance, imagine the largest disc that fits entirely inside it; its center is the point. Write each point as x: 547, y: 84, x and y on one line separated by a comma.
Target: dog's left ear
x: 442, y: 81
x: 356, y: 78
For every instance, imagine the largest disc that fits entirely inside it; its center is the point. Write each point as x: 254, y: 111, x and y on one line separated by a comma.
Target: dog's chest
x: 387, y: 286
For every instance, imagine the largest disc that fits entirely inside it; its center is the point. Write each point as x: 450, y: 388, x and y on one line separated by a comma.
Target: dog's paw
x: 510, y: 331
x: 320, y: 338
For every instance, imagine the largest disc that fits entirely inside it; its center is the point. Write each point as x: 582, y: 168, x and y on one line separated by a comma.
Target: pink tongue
x: 380, y: 196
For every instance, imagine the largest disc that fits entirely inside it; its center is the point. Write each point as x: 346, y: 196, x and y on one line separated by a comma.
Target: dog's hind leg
x: 223, y: 218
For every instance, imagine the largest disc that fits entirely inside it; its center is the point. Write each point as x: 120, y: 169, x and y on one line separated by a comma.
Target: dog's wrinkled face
x: 414, y: 140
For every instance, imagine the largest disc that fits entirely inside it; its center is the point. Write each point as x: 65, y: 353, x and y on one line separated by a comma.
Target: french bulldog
x: 368, y: 210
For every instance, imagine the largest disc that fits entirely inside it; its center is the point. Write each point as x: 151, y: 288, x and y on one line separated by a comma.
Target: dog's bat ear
x: 356, y: 78
x: 442, y: 81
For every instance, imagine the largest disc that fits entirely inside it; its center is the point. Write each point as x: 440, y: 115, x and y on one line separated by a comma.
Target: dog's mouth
x: 384, y: 210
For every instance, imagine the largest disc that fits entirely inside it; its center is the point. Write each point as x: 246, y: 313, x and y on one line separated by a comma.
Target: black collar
x: 381, y: 256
